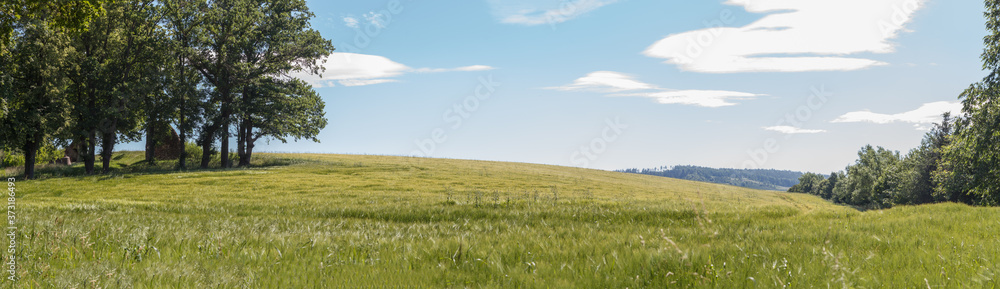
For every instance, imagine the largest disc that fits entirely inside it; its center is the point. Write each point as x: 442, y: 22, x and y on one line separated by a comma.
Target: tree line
x: 881, y: 178
x: 958, y: 160
x: 762, y: 179
x: 99, y: 73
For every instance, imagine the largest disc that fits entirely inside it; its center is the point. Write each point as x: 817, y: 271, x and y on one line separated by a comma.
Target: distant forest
x: 764, y: 179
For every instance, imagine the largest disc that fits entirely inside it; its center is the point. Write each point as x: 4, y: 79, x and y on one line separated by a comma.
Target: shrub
x: 192, y: 150
x: 12, y: 160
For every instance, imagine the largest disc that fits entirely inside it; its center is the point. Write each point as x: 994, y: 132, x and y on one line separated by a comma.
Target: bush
x: 12, y: 160
x: 192, y: 150
x: 48, y: 153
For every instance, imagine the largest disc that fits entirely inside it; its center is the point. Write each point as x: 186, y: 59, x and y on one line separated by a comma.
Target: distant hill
x: 762, y: 179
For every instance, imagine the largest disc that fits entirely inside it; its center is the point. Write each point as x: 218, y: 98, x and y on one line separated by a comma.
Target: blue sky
x: 607, y: 84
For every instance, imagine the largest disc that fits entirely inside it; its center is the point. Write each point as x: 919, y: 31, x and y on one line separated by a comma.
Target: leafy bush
x: 48, y: 153
x: 12, y: 160
x: 192, y: 150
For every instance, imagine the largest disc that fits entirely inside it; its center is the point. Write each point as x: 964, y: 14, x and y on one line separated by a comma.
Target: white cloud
x: 606, y: 81
x: 703, y: 98
x: 792, y: 130
x: 353, y: 69
x: 926, y: 114
x: 375, y: 18
x: 360, y: 82
x: 537, y: 12
x: 796, y: 35
x: 618, y: 83
x: 351, y: 22
x: 474, y: 68
x: 463, y: 68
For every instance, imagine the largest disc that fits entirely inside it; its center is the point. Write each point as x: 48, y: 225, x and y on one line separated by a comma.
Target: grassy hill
x: 763, y: 179
x: 322, y: 221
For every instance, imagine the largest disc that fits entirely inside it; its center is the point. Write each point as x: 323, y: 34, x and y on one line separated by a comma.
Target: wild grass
x: 329, y: 221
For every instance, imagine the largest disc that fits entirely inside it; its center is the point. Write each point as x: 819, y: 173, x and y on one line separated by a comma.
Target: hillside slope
x: 763, y: 179
x: 362, y: 221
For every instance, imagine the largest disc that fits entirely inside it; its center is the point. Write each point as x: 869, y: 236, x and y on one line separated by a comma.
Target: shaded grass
x: 133, y: 163
x: 322, y: 221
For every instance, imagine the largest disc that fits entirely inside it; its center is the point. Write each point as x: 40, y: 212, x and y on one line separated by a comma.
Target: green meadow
x: 351, y: 221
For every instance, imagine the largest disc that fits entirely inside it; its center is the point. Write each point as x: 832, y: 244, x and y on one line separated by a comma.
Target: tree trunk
x: 30, y: 150
x: 89, y: 154
x: 243, y: 128
x: 206, y: 144
x: 241, y: 142
x: 108, y: 146
x: 250, y: 141
x: 206, y: 154
x: 150, y: 140
x: 82, y: 150
x: 182, y: 161
x: 224, y: 138
x: 182, y: 126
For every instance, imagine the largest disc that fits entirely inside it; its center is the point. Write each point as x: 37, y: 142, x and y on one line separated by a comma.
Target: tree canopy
x: 97, y: 73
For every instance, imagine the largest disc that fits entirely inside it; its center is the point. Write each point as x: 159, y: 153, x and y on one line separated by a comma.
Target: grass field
x: 329, y: 221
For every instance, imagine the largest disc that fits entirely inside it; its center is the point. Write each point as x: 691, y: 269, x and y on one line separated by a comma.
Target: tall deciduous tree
x: 809, y: 183
x: 36, y: 101
x: 278, y: 109
x: 971, y: 167
x: 919, y: 165
x: 280, y: 42
x: 828, y: 186
x: 874, y: 178
x: 136, y: 24
x: 216, y: 54
x: 92, y: 76
x: 244, y: 42
x: 72, y: 15
x: 184, y: 82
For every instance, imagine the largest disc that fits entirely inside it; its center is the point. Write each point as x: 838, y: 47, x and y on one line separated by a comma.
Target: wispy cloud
x: 361, y: 82
x: 537, y: 12
x: 463, y: 68
x: 926, y: 114
x: 375, y: 18
x: 353, y: 69
x: 792, y: 130
x: 620, y: 84
x: 703, y: 98
x: 351, y: 22
x: 605, y: 81
x: 795, y: 36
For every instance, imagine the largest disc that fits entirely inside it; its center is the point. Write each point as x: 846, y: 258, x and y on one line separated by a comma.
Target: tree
x: 874, y: 178
x: 843, y: 189
x: 37, y: 107
x: 63, y: 15
x: 216, y: 55
x: 972, y: 161
x: 115, y: 78
x: 136, y: 28
x: 184, y: 82
x: 92, y: 76
x: 826, y: 187
x: 280, y: 42
x: 278, y: 109
x: 153, y: 77
x: 242, y: 42
x: 809, y: 183
x: 919, y: 165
